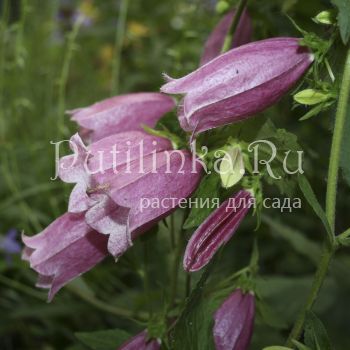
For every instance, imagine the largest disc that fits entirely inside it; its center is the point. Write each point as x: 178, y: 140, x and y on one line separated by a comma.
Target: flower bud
x: 140, y: 342
x: 239, y: 83
x: 216, y: 39
x: 216, y: 231
x: 234, y: 322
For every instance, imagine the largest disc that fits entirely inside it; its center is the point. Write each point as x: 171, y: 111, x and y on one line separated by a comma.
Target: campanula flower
x: 234, y: 322
x: 67, y: 248
x: 116, y: 198
x: 239, y: 83
x: 216, y: 230
x: 216, y: 39
x: 140, y: 342
x: 122, y: 113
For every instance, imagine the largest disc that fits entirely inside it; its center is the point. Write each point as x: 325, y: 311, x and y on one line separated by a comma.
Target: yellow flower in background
x: 106, y: 54
x: 88, y: 10
x: 137, y: 30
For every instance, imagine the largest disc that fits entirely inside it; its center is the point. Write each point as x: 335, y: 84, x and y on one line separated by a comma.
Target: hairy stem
x: 229, y: 37
x: 332, y: 184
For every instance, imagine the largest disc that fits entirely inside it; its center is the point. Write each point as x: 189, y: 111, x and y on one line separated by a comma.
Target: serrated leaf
x: 343, y: 18
x: 231, y: 167
x: 208, y: 189
x: 103, y: 340
x: 312, y: 200
x: 316, y: 336
x: 193, y: 329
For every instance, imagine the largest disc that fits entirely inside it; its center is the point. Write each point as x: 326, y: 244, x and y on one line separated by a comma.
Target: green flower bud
x: 311, y: 97
x: 232, y: 167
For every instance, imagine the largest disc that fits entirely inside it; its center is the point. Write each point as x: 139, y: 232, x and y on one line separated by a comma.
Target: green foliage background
x: 161, y: 36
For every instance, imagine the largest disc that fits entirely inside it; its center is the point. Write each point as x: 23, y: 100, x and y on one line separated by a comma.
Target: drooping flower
x: 8, y: 244
x: 216, y: 39
x: 117, y: 197
x: 240, y: 83
x: 122, y: 113
x: 216, y: 230
x: 234, y: 322
x: 140, y: 342
x: 67, y: 248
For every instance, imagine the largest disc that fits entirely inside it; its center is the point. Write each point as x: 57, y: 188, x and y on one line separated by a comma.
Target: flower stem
x: 107, y: 307
x: 119, y: 39
x: 62, y: 83
x: 332, y: 183
x: 229, y: 37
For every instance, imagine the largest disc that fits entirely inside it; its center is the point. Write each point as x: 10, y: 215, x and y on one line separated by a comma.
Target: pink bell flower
x: 215, y: 41
x: 121, y: 113
x: 239, y: 83
x: 234, y: 322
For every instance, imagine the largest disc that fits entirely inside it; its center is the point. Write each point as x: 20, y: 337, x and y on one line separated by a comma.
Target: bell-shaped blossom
x: 67, y: 248
x: 125, y: 195
x: 215, y: 41
x: 140, y: 342
x: 111, y: 152
x: 240, y: 83
x: 234, y: 322
x: 216, y: 230
x: 121, y: 113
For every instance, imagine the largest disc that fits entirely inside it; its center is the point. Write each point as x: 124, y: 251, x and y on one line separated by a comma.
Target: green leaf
x: 312, y: 200
x: 208, y: 189
x: 103, y: 340
x: 343, y: 18
x: 284, y: 141
x: 276, y: 347
x: 193, y: 329
x: 296, y: 239
x: 316, y: 336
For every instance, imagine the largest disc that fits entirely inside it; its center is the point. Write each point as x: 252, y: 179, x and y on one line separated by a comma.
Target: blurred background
x: 59, y: 55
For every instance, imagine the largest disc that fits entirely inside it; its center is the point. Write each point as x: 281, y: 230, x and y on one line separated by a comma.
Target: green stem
x: 332, y: 183
x: 317, y: 283
x: 336, y: 144
x: 188, y: 285
x: 22, y: 288
x: 119, y: 39
x: 62, y: 83
x: 114, y: 310
x: 229, y: 37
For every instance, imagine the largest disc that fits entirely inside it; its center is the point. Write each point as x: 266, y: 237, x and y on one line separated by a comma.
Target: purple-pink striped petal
x: 122, y: 113
x: 215, y: 42
x: 216, y: 231
x: 234, y: 322
x: 67, y: 248
x: 140, y: 342
x: 240, y: 83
